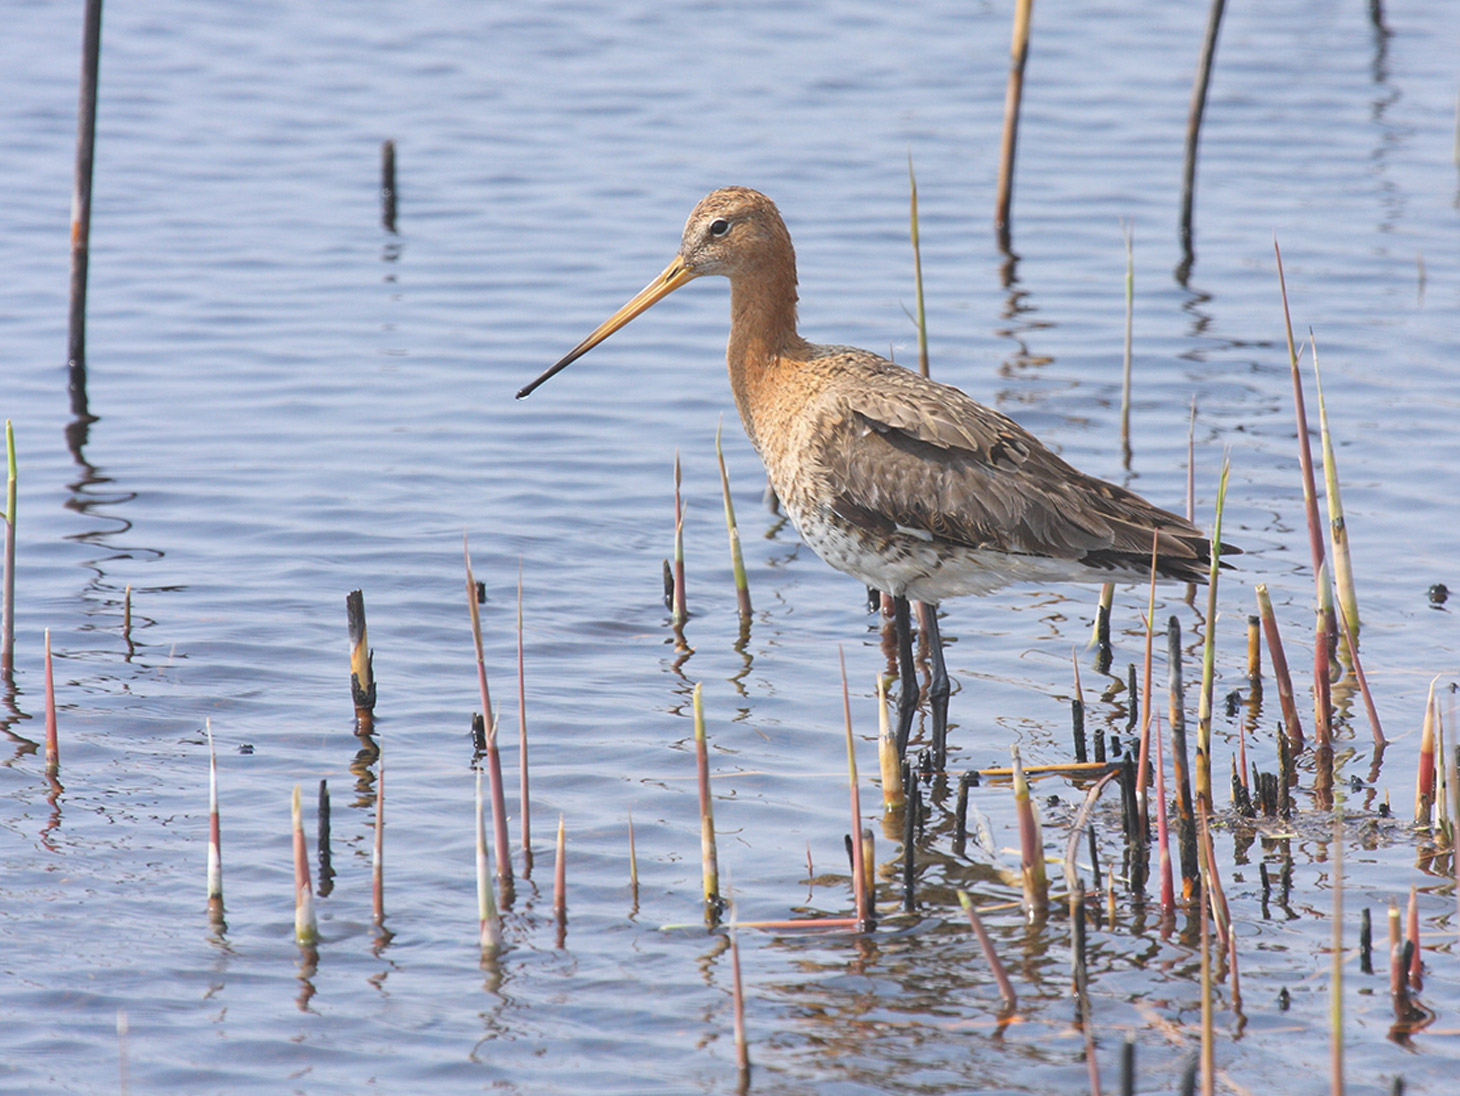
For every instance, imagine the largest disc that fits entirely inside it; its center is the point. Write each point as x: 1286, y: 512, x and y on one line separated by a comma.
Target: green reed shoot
x: 709, y: 857
x: 1209, y: 654
x: 922, y: 317
x: 737, y: 558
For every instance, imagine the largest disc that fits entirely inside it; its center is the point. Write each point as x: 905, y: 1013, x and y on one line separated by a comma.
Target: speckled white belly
x: 910, y: 565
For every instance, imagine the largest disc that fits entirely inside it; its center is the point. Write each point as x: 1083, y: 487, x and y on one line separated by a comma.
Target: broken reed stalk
x: 893, y: 797
x: 1343, y: 572
x: 1180, y: 769
x: 525, y: 807
x: 1125, y: 385
x: 1031, y: 846
x: 306, y: 930
x: 1424, y: 781
x: 322, y: 824
x: 362, y: 663
x: 377, y: 852
x: 494, y: 757
x: 1323, y: 590
x: 737, y: 558
x: 1001, y: 977
x: 1077, y: 713
x: 737, y: 993
x: 81, y: 206
x: 53, y: 746
x: 922, y: 316
x: 1018, y: 55
x: 709, y: 857
x: 1280, y: 668
x: 1100, y: 633
x: 387, y: 185
x: 1199, y: 84
x: 859, y: 875
x: 1254, y: 652
x: 7, y: 599
x: 1335, y: 978
x: 491, y: 923
x: 681, y: 612
x: 560, y: 883
x: 1208, y: 655
x: 215, y: 841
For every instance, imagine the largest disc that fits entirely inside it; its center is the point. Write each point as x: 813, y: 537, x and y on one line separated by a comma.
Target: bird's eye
x: 719, y: 227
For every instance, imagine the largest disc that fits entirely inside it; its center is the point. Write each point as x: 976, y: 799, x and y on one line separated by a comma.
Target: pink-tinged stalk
x: 1351, y: 644
x: 859, y: 878
x: 215, y: 841
x: 1280, y: 668
x: 1315, y: 535
x: 53, y: 750
x: 306, y: 930
x: 1006, y: 987
x: 1168, y: 886
x: 1424, y: 783
x: 476, y: 635
x: 491, y: 923
x: 494, y: 758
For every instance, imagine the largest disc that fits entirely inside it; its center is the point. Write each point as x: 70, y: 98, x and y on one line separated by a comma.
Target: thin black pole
x: 81, y: 207
x: 1193, y: 121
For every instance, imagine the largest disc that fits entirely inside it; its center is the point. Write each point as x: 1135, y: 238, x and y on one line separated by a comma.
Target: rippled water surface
x: 293, y: 402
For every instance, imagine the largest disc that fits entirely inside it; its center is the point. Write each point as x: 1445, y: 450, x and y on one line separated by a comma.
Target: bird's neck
x: 763, y: 340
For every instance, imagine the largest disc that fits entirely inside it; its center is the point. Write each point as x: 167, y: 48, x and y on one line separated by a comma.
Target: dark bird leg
x: 937, y: 682
x: 907, y: 673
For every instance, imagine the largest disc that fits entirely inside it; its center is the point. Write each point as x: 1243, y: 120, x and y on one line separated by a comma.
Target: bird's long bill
x: 674, y: 276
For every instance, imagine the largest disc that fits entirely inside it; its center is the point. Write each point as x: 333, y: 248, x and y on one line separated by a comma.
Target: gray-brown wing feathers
x: 927, y: 458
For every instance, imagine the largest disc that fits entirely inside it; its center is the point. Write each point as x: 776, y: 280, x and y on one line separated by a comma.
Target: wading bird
x: 908, y: 485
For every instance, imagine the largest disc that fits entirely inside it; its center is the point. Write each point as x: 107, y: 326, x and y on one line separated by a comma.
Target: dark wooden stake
x: 81, y: 207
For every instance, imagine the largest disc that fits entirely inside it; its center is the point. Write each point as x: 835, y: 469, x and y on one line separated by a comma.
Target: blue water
x: 293, y: 403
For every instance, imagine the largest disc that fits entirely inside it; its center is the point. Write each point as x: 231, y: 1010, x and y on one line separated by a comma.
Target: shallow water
x: 294, y: 403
